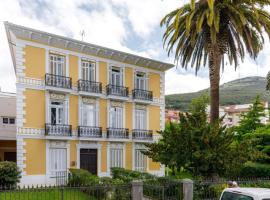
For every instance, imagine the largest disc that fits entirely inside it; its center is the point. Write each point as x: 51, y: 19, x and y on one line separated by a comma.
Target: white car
x: 245, y: 194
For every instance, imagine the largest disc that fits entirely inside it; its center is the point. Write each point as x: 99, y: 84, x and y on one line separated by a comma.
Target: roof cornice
x: 83, y: 47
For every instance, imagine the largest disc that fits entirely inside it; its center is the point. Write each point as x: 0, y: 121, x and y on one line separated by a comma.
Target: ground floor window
x: 140, y: 160
x: 58, y: 160
x: 116, y: 157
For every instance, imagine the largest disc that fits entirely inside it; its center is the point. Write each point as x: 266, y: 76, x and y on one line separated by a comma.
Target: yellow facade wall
x: 35, y: 62
x: 103, y: 113
x: 73, y: 111
x: 104, y: 156
x: 153, y: 165
x: 154, y: 118
x: 73, y: 153
x: 129, y: 155
x: 35, y: 156
x: 103, y: 73
x: 154, y: 84
x: 73, y: 69
x: 129, y: 115
x: 129, y: 78
x: 34, y: 108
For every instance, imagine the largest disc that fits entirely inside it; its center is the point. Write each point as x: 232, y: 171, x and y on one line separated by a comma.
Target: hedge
x: 255, y: 170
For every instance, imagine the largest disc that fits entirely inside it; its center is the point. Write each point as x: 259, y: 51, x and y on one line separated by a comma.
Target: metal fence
x: 211, y: 190
x: 170, y: 191
x: 95, y: 192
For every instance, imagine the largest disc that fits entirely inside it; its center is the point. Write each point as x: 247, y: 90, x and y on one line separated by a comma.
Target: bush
x: 128, y: 175
x: 78, y: 177
x: 255, y: 170
x: 9, y: 174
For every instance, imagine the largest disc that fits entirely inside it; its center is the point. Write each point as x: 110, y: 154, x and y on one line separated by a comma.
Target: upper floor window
x: 89, y: 114
x: 88, y: 70
x: 140, y: 119
x: 116, y: 76
x: 116, y: 117
x: 8, y: 120
x: 57, y: 112
x: 140, y: 81
x: 57, y: 64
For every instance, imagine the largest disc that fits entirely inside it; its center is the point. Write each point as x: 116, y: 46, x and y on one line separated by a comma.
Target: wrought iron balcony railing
x: 89, y: 86
x: 58, y: 81
x: 117, y: 90
x: 142, y: 94
x: 90, y: 131
x: 139, y: 134
x: 58, y: 130
x: 117, y: 133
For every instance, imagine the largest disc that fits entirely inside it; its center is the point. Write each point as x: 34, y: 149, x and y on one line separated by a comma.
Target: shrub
x: 9, y: 174
x: 79, y: 177
x: 255, y: 170
x: 128, y: 175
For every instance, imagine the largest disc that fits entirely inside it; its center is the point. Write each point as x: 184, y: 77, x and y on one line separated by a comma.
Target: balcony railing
x: 58, y: 130
x: 58, y: 81
x: 139, y: 134
x: 90, y: 131
x: 142, y: 94
x: 117, y: 133
x: 117, y: 90
x: 89, y: 86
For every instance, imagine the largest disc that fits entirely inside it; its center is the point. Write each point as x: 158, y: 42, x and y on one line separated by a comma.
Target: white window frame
x: 141, y: 118
x: 57, y: 67
x: 140, y: 160
x: 58, y: 107
x: 57, y: 159
x: 113, y: 73
x: 116, y: 146
x: 116, y: 116
x: 139, y: 80
x: 95, y: 113
x: 88, y: 70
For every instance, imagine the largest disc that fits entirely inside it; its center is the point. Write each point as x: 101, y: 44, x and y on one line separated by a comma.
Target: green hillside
x: 239, y: 91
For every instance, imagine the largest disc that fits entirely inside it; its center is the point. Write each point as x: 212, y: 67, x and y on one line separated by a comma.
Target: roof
x: 260, y: 192
x: 79, y: 46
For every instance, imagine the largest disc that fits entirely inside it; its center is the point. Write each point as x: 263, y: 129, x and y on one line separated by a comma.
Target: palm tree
x: 215, y: 32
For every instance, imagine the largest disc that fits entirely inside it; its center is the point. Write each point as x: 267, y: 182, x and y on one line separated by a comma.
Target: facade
x: 80, y: 105
x: 7, y: 126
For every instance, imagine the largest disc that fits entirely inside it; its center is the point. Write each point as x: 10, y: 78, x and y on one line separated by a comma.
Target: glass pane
x: 235, y: 196
x: 53, y: 115
x: 5, y: 120
x: 12, y: 120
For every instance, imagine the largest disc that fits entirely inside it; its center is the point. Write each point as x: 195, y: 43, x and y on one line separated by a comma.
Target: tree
x: 251, y: 120
x: 268, y: 81
x: 214, y: 32
x: 203, y: 148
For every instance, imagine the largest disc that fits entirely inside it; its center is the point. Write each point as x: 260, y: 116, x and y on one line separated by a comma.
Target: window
x: 88, y: 70
x: 58, y: 160
x: 235, y: 196
x: 57, y: 112
x: 116, y: 117
x: 116, y: 76
x: 116, y: 157
x: 140, y: 119
x: 57, y: 65
x: 140, y: 160
x: 8, y: 120
x: 141, y: 81
x: 89, y: 115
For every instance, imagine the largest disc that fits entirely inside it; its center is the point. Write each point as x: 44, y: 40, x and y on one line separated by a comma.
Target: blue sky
x: 126, y: 25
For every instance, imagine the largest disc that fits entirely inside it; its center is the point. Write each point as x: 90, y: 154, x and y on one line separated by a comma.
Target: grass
x: 45, y: 194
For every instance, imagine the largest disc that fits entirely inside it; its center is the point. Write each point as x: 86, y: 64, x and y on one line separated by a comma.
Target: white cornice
x: 79, y: 46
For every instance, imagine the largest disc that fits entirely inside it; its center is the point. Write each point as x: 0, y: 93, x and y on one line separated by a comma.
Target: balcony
x: 142, y: 95
x: 117, y: 133
x: 57, y: 81
x: 117, y: 92
x: 86, y: 87
x: 90, y: 131
x: 58, y: 130
x: 139, y: 134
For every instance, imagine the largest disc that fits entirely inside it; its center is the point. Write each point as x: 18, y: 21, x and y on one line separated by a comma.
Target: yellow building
x: 81, y: 105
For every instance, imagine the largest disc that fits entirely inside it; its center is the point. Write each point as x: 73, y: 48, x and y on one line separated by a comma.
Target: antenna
x: 82, y: 33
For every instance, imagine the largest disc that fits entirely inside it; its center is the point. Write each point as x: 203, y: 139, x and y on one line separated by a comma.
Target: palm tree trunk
x: 214, y: 76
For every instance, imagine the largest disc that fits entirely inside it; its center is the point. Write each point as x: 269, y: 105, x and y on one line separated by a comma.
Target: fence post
x: 187, y: 189
x: 137, y: 190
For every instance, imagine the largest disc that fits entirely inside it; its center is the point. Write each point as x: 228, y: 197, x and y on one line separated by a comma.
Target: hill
x: 239, y: 91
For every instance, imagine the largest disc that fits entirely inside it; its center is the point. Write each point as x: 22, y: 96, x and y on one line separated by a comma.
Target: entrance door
x: 88, y: 160
x: 10, y: 156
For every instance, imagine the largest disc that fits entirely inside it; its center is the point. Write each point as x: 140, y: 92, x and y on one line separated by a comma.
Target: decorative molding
x: 116, y: 104
x: 30, y: 131
x: 88, y: 100
x: 58, y: 144
x: 140, y: 106
x: 57, y: 96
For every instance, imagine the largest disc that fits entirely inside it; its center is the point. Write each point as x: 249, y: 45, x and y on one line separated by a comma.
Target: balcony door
x: 141, y: 81
x: 88, y: 115
x: 57, y: 112
x: 140, y: 119
x: 88, y: 70
x: 57, y: 65
x: 116, y: 117
x: 116, y: 76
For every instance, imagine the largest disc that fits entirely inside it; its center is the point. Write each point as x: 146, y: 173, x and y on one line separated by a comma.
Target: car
x: 238, y: 193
